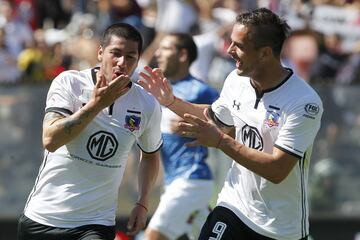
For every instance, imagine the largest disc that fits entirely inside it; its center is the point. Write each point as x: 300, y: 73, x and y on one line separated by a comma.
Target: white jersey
x: 78, y: 183
x: 287, y: 117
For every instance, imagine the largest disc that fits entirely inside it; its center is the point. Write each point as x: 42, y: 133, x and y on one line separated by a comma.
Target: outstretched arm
x: 155, y: 83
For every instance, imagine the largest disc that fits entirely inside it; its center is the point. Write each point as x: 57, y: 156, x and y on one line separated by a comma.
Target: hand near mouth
x: 105, y: 93
x: 116, y: 74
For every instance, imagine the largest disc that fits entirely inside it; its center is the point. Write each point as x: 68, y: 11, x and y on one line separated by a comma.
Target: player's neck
x: 268, y: 78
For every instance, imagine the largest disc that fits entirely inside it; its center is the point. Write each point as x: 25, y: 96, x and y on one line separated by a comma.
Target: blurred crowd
x: 40, y: 38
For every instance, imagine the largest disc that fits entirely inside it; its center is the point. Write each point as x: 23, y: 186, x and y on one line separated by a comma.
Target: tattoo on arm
x: 52, y: 116
x: 68, y: 123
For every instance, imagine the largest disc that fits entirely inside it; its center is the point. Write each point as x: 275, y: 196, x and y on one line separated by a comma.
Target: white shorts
x: 183, y: 200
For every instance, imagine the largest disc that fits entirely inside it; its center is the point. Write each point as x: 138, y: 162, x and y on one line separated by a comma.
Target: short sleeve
x: 151, y: 140
x: 300, y: 128
x: 221, y: 107
x: 59, y: 97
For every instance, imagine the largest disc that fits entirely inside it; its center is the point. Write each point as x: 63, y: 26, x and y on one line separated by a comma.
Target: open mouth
x: 238, y: 62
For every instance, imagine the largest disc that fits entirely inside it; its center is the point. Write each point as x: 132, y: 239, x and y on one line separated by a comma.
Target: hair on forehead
x: 266, y: 28
x: 122, y: 30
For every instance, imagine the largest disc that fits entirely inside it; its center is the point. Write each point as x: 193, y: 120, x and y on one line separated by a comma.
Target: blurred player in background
x: 92, y: 119
x: 183, y: 206
x: 276, y: 116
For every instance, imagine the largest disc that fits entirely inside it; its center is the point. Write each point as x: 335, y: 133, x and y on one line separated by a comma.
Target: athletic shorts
x: 31, y: 230
x: 183, y: 208
x: 223, y: 224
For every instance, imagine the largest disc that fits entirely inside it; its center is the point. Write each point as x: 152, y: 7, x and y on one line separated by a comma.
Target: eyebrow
x: 124, y: 50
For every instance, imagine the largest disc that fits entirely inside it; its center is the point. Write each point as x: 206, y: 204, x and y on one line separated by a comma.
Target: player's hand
x: 156, y: 84
x: 205, y: 131
x: 137, y: 220
x: 105, y: 93
x: 174, y: 124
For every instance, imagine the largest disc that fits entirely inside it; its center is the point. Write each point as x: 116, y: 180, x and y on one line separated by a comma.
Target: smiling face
x: 119, y: 57
x: 243, y: 51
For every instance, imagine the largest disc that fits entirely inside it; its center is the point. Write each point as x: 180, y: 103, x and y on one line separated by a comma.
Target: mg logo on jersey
x: 252, y: 138
x: 102, y: 145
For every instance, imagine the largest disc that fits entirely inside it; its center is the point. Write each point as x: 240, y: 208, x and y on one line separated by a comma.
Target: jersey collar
x: 259, y: 94
x: 277, y: 86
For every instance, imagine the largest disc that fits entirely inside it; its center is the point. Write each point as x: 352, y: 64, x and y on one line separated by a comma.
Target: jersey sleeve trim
x: 152, y: 151
x: 226, y: 125
x: 287, y: 151
x: 59, y: 110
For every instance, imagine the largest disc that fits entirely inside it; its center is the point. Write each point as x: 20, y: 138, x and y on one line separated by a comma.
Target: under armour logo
x: 237, y: 105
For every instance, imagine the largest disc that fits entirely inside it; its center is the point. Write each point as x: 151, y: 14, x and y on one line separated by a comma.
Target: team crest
x: 272, y: 119
x: 132, y: 122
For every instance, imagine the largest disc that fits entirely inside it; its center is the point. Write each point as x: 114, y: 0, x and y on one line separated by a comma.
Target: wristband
x: 143, y: 206
x: 173, y: 101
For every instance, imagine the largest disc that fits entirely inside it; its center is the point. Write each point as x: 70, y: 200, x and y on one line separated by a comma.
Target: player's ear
x: 184, y: 55
x: 100, y: 53
x: 265, y: 53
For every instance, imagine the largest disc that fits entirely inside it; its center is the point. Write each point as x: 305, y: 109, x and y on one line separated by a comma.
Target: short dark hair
x: 185, y: 41
x: 267, y: 28
x: 123, y: 30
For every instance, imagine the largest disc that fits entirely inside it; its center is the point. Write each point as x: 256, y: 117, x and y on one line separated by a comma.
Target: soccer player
x: 183, y: 206
x: 92, y: 119
x: 276, y: 116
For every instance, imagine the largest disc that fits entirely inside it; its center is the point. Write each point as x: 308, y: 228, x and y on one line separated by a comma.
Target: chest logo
x: 252, y: 138
x: 312, y: 109
x: 132, y: 122
x: 272, y: 119
x: 102, y: 145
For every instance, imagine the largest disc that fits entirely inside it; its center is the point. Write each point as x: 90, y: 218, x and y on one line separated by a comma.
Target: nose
x: 230, y: 49
x: 121, y: 61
